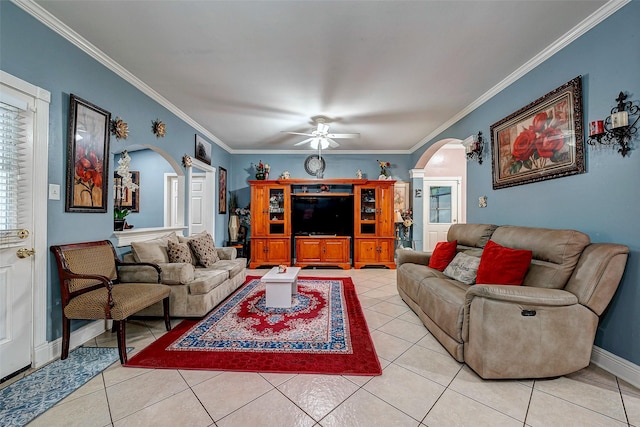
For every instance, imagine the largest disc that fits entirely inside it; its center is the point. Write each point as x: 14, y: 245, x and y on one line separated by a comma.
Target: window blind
x: 13, y: 131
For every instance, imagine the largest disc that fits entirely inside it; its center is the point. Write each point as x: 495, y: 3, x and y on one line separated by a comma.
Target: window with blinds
x: 13, y: 131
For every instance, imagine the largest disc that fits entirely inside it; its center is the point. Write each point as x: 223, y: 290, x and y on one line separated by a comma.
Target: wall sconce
x: 474, y: 145
x: 615, y: 129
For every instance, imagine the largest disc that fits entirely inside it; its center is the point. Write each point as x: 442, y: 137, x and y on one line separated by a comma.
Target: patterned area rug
x: 32, y: 395
x: 324, y: 332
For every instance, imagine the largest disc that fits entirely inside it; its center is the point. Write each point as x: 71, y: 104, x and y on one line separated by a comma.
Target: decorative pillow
x: 154, y: 250
x: 179, y: 252
x: 500, y: 265
x: 463, y: 268
x: 205, y: 250
x: 183, y: 239
x: 443, y: 254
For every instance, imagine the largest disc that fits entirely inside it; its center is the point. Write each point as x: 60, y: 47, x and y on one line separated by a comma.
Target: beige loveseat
x: 544, y: 328
x: 195, y: 289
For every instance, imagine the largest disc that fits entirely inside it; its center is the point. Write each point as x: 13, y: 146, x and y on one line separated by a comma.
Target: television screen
x: 322, y: 215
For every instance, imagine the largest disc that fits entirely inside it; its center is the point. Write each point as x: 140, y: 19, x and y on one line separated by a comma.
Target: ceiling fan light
x: 314, y: 143
x: 324, y: 142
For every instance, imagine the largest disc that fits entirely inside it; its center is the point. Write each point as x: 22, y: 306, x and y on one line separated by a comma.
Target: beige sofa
x: 544, y: 328
x: 195, y: 289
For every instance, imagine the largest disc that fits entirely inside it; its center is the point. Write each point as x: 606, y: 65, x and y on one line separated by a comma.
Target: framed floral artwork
x: 87, y: 157
x: 543, y: 140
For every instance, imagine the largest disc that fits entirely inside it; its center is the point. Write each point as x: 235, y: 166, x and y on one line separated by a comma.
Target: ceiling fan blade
x: 303, y: 142
x: 343, y: 135
x: 298, y: 133
x: 332, y: 143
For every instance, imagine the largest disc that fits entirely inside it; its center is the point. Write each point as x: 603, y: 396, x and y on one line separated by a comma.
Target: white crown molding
x: 324, y: 152
x: 76, y: 39
x: 591, y: 21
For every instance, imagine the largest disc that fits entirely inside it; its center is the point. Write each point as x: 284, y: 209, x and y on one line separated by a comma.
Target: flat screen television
x: 322, y: 215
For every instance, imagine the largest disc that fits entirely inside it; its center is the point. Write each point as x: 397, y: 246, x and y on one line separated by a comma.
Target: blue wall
x: 36, y: 54
x: 604, y: 202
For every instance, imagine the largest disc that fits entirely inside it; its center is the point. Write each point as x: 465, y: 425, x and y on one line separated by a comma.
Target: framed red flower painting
x: 87, y: 157
x: 543, y: 140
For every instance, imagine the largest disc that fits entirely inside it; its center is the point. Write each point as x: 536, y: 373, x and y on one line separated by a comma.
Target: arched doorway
x: 441, y: 176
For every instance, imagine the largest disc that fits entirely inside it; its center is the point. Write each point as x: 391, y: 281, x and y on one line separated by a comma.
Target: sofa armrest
x: 413, y: 257
x: 526, y: 295
x: 137, y: 265
x: 227, y: 253
x: 172, y: 273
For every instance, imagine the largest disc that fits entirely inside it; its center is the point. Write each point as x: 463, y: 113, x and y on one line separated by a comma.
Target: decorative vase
x: 118, y: 224
x: 260, y: 176
x: 234, y: 226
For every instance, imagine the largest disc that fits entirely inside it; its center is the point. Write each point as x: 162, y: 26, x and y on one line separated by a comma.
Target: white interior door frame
x: 40, y: 350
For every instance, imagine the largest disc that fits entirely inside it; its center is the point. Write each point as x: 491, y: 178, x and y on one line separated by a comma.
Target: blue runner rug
x: 32, y: 395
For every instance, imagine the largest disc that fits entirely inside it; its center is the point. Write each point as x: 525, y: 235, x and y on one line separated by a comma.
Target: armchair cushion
x: 500, y: 265
x: 443, y: 254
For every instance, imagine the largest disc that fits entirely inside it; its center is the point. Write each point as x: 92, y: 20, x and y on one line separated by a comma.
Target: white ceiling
x: 397, y: 72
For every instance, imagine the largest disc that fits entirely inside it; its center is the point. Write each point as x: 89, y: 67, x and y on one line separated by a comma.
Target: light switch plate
x: 54, y: 192
x: 482, y: 201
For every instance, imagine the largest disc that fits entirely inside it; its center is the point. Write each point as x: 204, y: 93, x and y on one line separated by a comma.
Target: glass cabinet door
x: 276, y: 210
x: 368, y: 211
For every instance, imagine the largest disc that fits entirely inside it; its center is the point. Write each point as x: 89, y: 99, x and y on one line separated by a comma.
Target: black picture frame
x: 87, y: 157
x: 222, y: 191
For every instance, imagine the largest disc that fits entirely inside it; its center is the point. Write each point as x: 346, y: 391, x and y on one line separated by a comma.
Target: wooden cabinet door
x: 279, y: 251
x: 385, y: 211
x: 336, y: 250
x: 259, y: 211
x: 308, y: 250
x: 258, y: 252
x: 366, y: 251
x: 385, y: 250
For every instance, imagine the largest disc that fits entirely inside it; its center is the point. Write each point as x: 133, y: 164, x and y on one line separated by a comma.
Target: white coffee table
x: 281, y: 286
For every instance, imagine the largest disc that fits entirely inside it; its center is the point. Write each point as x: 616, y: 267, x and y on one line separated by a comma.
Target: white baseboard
x: 52, y: 349
x: 618, y: 366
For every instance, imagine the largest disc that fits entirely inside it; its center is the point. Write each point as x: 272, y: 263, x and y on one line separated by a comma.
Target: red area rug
x: 324, y: 332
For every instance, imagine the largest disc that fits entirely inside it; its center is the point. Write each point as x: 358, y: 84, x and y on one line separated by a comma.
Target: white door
x: 199, y: 201
x: 16, y: 234
x: 442, y: 209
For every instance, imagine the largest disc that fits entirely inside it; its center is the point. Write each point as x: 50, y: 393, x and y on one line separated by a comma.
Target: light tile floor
x: 422, y: 385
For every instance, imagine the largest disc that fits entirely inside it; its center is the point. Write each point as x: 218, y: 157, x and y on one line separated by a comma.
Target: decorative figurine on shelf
x: 384, y: 173
x: 285, y: 175
x: 262, y: 170
x: 359, y: 174
x: 324, y: 188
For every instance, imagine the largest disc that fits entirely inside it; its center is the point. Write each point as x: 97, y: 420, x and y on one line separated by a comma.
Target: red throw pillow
x: 443, y: 254
x: 500, y: 265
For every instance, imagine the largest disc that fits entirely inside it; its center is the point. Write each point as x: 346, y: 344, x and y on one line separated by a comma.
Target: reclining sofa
x: 543, y: 328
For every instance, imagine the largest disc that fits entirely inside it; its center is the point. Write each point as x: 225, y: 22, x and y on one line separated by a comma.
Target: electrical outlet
x: 482, y: 201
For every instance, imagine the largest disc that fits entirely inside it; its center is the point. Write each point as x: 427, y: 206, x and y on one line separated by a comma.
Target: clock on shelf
x: 314, y: 165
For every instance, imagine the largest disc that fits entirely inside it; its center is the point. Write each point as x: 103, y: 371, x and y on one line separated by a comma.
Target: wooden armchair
x: 91, y: 289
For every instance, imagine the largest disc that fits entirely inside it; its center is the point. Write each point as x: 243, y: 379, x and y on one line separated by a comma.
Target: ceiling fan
x: 321, y: 138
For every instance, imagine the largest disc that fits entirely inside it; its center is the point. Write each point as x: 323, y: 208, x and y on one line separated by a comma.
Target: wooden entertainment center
x: 369, y: 242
